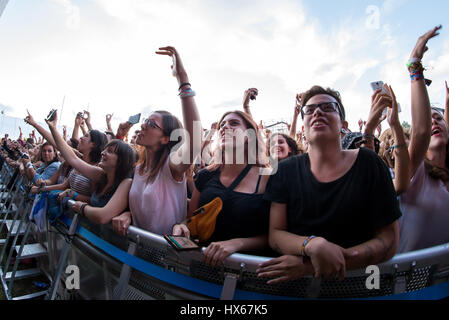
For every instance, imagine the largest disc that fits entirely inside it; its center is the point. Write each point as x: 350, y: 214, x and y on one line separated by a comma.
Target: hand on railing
x: 284, y: 268
x: 181, y: 230
x: 121, y: 223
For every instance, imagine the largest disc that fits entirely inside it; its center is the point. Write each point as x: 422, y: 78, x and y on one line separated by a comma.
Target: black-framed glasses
x: 325, y: 107
x: 150, y: 123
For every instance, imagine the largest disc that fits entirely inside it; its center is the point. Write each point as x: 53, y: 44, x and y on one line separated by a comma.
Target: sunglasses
x: 150, y: 123
x: 325, y: 107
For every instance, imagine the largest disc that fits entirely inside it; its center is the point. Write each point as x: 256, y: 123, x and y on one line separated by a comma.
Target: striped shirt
x: 79, y: 183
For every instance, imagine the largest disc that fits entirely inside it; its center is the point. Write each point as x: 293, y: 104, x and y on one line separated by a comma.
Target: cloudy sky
x: 100, y: 53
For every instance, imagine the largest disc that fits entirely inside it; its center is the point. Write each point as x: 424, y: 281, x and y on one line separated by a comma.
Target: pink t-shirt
x: 425, y: 213
x: 157, y: 205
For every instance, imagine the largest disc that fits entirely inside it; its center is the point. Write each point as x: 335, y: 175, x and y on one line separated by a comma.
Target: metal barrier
x: 144, y: 266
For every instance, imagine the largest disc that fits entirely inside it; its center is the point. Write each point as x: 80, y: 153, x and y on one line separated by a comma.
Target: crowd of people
x: 320, y: 200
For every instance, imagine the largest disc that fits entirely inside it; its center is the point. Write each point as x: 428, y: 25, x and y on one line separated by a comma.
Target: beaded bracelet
x: 416, y: 69
x: 303, y: 247
x: 188, y: 92
x: 398, y: 146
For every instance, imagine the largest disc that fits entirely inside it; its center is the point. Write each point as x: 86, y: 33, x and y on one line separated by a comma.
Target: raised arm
x: 76, y: 127
x: 248, y: 95
x: 446, y: 107
x: 94, y: 173
x: 295, y: 116
x: 108, y: 121
x: 190, y: 112
x: 421, y: 113
x: 46, y: 134
x: 402, y: 159
x: 87, y: 120
x: 379, y: 101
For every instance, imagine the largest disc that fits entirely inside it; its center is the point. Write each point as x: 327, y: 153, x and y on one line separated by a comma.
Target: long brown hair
x: 261, y: 156
x: 169, y: 123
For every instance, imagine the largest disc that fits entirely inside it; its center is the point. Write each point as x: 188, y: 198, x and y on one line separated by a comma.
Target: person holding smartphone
x: 158, y: 194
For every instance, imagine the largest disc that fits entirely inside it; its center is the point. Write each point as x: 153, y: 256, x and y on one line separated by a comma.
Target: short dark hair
x: 316, y: 90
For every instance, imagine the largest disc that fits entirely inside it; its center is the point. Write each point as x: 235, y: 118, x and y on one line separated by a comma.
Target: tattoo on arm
x: 277, y: 249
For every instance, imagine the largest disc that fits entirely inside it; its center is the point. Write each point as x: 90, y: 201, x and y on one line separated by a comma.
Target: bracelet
x: 185, y: 93
x: 184, y: 84
x: 303, y: 247
x: 75, y: 195
x: 398, y: 146
x: 29, y: 165
x: 82, y: 209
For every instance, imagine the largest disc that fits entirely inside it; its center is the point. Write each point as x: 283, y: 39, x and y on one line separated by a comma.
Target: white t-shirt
x: 157, y: 205
x: 425, y: 213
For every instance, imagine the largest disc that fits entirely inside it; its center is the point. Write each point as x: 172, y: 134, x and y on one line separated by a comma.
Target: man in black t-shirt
x: 335, y: 208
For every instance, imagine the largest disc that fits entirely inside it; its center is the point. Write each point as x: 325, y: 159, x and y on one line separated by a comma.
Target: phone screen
x: 181, y: 243
x: 134, y: 119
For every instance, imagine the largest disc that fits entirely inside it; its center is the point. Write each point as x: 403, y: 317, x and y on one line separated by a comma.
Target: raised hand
x: 109, y: 117
x: 88, y: 116
x: 421, y: 45
x: 29, y: 119
x: 53, y: 122
x: 249, y: 94
x: 178, y: 68
x: 393, y: 113
x: 379, y: 102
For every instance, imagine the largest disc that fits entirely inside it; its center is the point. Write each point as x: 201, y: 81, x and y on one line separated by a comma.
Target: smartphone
x: 181, y: 243
x: 51, y: 115
x: 134, y: 119
x: 380, y: 85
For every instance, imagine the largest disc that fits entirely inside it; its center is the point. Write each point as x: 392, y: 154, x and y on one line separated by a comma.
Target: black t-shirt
x: 243, y: 215
x: 346, y: 211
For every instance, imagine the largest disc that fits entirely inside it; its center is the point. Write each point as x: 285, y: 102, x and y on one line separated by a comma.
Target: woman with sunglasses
x: 158, y: 195
x: 235, y: 177
x: 111, y: 178
x: 331, y: 209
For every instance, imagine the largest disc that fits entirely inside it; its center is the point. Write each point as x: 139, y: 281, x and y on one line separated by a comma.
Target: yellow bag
x: 202, y: 223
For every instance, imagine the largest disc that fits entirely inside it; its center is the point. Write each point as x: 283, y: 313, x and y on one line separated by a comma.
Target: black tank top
x: 243, y: 215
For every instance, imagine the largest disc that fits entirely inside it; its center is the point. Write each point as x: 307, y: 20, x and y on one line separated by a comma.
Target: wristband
x: 185, y: 93
x: 29, y: 165
x: 75, y: 195
x: 303, y: 247
x: 82, y: 209
x: 398, y: 146
x: 184, y: 84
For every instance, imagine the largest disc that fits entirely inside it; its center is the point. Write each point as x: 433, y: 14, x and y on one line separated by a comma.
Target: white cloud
x: 72, y: 14
x: 105, y: 58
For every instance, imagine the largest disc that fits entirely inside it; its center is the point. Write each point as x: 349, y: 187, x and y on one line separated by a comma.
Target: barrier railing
x: 144, y: 266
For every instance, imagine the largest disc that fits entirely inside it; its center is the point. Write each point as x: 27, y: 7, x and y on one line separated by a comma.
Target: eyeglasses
x: 150, y: 123
x: 325, y: 107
